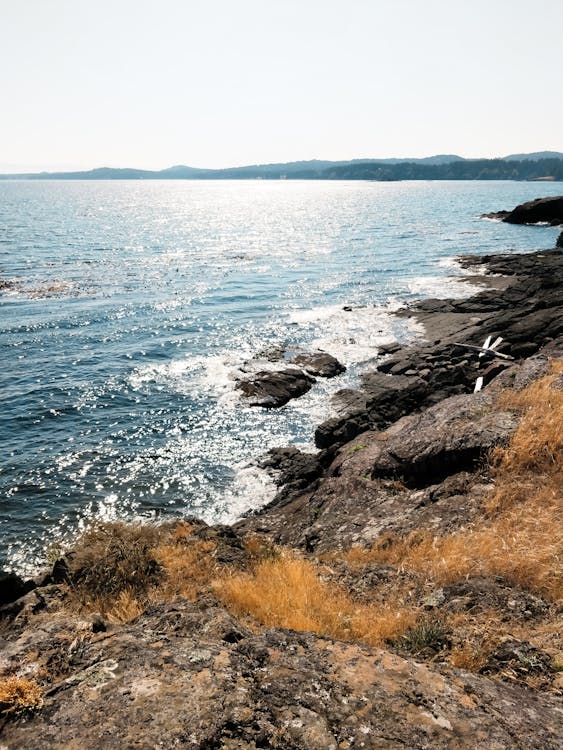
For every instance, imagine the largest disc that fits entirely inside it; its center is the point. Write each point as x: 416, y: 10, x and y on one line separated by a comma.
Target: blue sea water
x: 135, y: 305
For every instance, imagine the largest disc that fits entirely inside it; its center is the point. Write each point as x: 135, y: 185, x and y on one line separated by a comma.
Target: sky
x: 216, y: 83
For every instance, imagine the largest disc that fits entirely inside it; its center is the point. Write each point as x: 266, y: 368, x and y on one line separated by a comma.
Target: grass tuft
x: 19, y: 695
x: 424, y: 638
x: 112, y: 558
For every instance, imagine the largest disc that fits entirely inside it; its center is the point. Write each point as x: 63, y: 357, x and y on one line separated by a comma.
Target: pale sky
x: 152, y: 83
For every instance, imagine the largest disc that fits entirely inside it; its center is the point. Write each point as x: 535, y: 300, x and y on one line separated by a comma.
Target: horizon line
x: 367, y: 159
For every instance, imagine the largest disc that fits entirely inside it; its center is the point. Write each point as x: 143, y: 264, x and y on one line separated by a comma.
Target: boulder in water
x: 273, y: 389
x: 538, y: 211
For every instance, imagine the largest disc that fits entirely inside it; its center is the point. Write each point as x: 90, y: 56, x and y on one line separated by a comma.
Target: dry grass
x: 111, y: 558
x: 532, y: 462
x: 122, y: 607
x: 521, y: 535
x: 287, y: 592
x: 19, y: 695
x: 117, y: 569
x: 468, y: 657
x: 188, y: 568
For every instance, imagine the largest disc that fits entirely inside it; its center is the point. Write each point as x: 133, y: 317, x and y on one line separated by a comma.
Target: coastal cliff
x: 401, y: 591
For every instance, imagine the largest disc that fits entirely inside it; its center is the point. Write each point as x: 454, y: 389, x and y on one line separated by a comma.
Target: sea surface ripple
x: 134, y: 304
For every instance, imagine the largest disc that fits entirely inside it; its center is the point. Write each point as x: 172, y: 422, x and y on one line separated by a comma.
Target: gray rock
x: 174, y: 679
x: 319, y: 363
x: 273, y: 389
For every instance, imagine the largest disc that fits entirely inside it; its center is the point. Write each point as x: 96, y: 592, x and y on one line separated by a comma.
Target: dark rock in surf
x: 320, y: 364
x: 539, y: 211
x: 272, y: 389
x: 559, y: 242
x: 295, y: 470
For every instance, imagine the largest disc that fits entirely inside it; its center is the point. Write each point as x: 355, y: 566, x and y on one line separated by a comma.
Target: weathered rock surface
x: 188, y: 675
x: 540, y: 210
x: 528, y: 314
x: 321, y: 364
x: 422, y: 472
x: 273, y: 389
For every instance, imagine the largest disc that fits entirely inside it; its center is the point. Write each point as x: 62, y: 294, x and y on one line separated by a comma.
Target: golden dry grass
x: 117, y: 569
x: 532, y: 462
x: 188, y: 568
x: 19, y: 695
x: 287, y: 592
x: 521, y: 535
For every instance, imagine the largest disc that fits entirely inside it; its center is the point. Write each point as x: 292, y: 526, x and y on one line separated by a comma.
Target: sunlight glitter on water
x: 135, y: 305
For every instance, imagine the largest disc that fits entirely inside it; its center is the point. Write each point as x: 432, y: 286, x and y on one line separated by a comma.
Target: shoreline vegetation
x: 404, y: 583
x: 541, y: 166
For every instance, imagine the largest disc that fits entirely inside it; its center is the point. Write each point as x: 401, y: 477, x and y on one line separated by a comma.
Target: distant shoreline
x: 530, y: 167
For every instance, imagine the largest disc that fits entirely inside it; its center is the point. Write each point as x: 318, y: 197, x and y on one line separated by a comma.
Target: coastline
x: 413, y: 378
x: 404, y: 459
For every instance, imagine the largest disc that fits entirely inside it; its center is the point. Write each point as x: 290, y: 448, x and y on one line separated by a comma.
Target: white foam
x: 353, y: 336
x: 252, y: 488
x: 214, y: 372
x: 443, y: 287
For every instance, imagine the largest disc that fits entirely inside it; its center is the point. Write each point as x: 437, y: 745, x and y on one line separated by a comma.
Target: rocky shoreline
x: 405, y: 458
x: 419, y: 380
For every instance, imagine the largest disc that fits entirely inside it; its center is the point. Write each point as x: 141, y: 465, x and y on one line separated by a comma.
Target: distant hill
x: 534, y: 156
x: 475, y: 169
x: 439, y: 159
x: 538, y: 166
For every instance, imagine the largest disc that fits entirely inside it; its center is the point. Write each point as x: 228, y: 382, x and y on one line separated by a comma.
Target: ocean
x: 133, y: 306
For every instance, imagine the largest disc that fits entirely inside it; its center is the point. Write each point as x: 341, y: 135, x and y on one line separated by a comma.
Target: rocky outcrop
x: 559, y: 242
x: 539, y: 211
x: 422, y: 472
x: 189, y: 675
x: 321, y: 364
x: 273, y: 389
x: 528, y: 314
x: 413, y: 419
